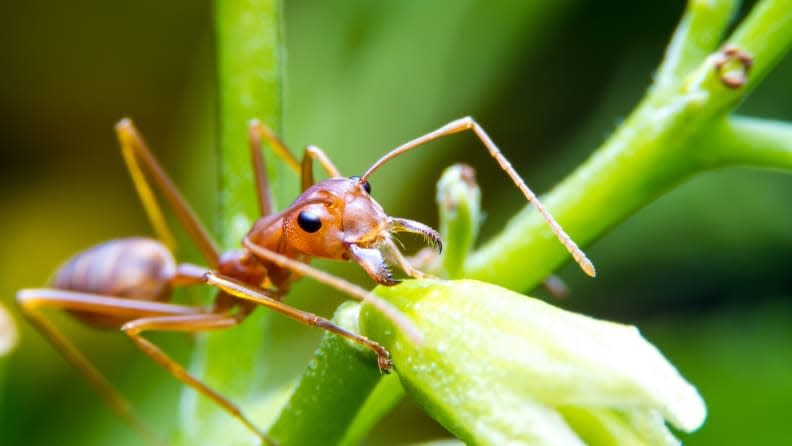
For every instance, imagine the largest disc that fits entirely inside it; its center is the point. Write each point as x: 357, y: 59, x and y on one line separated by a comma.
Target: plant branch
x: 766, y: 34
x: 697, y: 35
x: 745, y: 141
x: 652, y: 151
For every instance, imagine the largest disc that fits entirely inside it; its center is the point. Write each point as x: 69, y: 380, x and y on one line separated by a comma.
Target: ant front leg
x: 346, y: 287
x: 258, y: 296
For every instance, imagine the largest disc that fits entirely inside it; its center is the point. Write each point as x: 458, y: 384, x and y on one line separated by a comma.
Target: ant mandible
x: 126, y: 283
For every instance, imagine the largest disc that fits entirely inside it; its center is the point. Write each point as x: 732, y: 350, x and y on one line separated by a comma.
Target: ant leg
x: 258, y: 296
x: 342, y: 285
x: 257, y: 131
x: 468, y: 123
x: 139, y: 159
x: 191, y: 323
x: 32, y: 301
x: 315, y: 153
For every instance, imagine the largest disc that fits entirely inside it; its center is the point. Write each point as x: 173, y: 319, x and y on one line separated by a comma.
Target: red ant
x: 126, y: 283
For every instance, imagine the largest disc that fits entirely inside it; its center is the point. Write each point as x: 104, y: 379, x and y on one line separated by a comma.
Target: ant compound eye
x: 309, y: 222
x: 366, y: 185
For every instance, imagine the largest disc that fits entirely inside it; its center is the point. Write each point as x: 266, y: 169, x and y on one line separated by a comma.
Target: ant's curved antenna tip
x: 588, y: 267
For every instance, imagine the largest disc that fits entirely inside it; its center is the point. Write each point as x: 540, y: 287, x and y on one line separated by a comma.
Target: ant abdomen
x: 134, y: 268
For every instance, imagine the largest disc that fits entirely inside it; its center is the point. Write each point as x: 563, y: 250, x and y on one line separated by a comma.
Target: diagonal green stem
x: 699, y: 31
x: 654, y: 150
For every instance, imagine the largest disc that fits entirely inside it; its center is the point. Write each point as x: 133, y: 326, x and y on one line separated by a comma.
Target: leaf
x: 498, y: 367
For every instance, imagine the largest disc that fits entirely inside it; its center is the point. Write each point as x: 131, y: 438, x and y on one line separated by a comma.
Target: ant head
x: 332, y: 215
x: 338, y: 219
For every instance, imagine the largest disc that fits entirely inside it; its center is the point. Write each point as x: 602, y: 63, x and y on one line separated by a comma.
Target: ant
x: 126, y: 283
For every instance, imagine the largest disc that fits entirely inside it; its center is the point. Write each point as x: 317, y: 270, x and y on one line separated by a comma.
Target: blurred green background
x: 704, y: 271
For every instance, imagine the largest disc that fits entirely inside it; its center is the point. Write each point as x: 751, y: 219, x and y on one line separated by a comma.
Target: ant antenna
x: 468, y: 123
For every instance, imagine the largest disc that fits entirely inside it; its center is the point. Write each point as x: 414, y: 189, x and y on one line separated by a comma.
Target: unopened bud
x: 498, y: 367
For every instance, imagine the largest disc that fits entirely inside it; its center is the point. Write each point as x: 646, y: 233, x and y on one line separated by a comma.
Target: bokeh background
x: 704, y: 271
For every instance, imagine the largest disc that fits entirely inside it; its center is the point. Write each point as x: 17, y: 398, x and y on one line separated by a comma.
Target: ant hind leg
x: 32, y: 301
x: 190, y: 323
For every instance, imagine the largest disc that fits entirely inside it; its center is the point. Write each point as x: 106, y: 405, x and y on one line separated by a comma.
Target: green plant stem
x: 249, y: 69
x: 335, y: 385
x: 380, y: 402
x: 767, y: 35
x: 699, y: 31
x: 654, y: 150
x: 250, y: 86
x: 746, y: 141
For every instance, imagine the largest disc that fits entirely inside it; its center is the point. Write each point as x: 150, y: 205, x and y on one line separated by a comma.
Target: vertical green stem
x: 249, y: 79
x: 249, y: 72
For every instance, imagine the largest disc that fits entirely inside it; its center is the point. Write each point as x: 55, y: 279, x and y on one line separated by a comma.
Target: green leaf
x: 499, y: 367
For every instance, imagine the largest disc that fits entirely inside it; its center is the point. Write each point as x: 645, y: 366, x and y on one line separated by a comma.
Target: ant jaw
x: 404, y: 225
x: 372, y: 261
